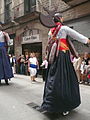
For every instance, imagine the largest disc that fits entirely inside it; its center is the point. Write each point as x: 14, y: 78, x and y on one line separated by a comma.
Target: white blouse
x: 65, y: 30
x: 33, y: 60
x: 45, y: 62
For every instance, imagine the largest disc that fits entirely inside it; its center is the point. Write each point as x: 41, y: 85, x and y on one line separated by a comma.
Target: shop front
x: 31, y: 42
x: 33, y: 47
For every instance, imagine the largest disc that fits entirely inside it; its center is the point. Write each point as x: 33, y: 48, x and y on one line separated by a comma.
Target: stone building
x: 78, y: 17
x: 21, y: 21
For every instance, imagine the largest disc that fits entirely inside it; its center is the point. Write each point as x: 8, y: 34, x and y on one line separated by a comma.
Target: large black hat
x: 48, y: 20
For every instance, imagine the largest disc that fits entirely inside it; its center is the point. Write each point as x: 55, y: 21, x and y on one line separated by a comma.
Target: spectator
x: 82, y: 69
x: 18, y: 64
x: 77, y: 63
x: 86, y: 58
x: 87, y: 71
x: 26, y: 64
x: 44, y: 66
x: 14, y: 64
x: 22, y: 65
x: 32, y: 66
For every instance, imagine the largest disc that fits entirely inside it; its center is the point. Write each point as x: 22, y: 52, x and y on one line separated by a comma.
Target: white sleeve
x: 43, y: 63
x: 75, y: 35
x: 29, y: 59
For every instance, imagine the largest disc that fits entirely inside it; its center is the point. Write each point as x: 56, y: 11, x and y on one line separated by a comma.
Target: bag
x: 51, y: 49
x: 6, y: 39
x: 72, y: 49
x: 53, y: 52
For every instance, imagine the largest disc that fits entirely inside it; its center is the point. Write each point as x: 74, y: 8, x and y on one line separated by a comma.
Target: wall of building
x: 77, y: 12
x: 82, y: 25
x: 32, y: 25
x: 16, y: 2
x: 1, y: 6
x: 70, y: 14
x: 1, y: 10
x: 67, y: 10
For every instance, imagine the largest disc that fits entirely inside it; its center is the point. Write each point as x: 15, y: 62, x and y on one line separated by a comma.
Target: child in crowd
x: 87, y: 71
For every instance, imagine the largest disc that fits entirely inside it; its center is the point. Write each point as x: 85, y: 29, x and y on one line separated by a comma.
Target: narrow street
x: 14, y: 100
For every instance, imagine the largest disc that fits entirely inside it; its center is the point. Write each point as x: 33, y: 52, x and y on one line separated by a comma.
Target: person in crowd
x: 26, y: 64
x: 61, y: 92
x: 44, y: 66
x: 5, y: 67
x: 32, y: 66
x: 11, y: 62
x: 22, y: 65
x: 11, y: 59
x: 14, y: 64
x: 87, y: 72
x: 83, y: 68
x: 77, y: 64
x: 86, y: 58
x: 18, y: 64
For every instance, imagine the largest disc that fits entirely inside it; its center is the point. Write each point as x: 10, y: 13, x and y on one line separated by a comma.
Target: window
x: 8, y: 7
x: 33, y: 2
x: 29, y: 5
x: 32, y: 5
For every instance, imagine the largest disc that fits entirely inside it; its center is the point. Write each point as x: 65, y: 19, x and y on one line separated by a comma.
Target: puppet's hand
x: 88, y: 41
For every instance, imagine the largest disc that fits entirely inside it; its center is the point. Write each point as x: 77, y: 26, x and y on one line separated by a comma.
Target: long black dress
x: 61, y: 92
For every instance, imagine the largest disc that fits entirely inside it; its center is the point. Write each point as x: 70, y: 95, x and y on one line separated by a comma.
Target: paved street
x: 15, y: 97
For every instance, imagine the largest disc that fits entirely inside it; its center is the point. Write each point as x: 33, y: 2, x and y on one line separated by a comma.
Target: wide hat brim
x: 47, y: 20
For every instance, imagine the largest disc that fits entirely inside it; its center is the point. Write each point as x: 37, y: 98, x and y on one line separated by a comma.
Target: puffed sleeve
x: 75, y: 35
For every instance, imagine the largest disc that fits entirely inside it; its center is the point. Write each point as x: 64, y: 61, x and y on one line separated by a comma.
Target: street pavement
x: 14, y: 100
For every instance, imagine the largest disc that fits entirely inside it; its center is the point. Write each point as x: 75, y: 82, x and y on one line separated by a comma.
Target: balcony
x: 16, y: 12
x: 74, y: 2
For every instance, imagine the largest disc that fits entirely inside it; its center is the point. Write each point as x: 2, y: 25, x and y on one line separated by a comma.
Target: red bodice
x: 63, y: 45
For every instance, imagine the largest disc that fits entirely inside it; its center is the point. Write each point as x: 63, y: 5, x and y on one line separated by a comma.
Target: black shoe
x: 65, y: 113
x: 6, y: 81
x: 40, y: 109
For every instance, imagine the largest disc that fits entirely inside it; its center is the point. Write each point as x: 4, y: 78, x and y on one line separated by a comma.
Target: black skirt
x: 61, y: 91
x: 5, y: 68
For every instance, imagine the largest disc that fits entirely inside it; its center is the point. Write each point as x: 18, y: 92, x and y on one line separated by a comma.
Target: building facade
x: 77, y: 16
x: 21, y: 21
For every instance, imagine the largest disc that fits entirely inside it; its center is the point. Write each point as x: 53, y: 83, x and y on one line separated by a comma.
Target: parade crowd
x: 81, y: 66
x: 62, y: 78
x: 23, y: 65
